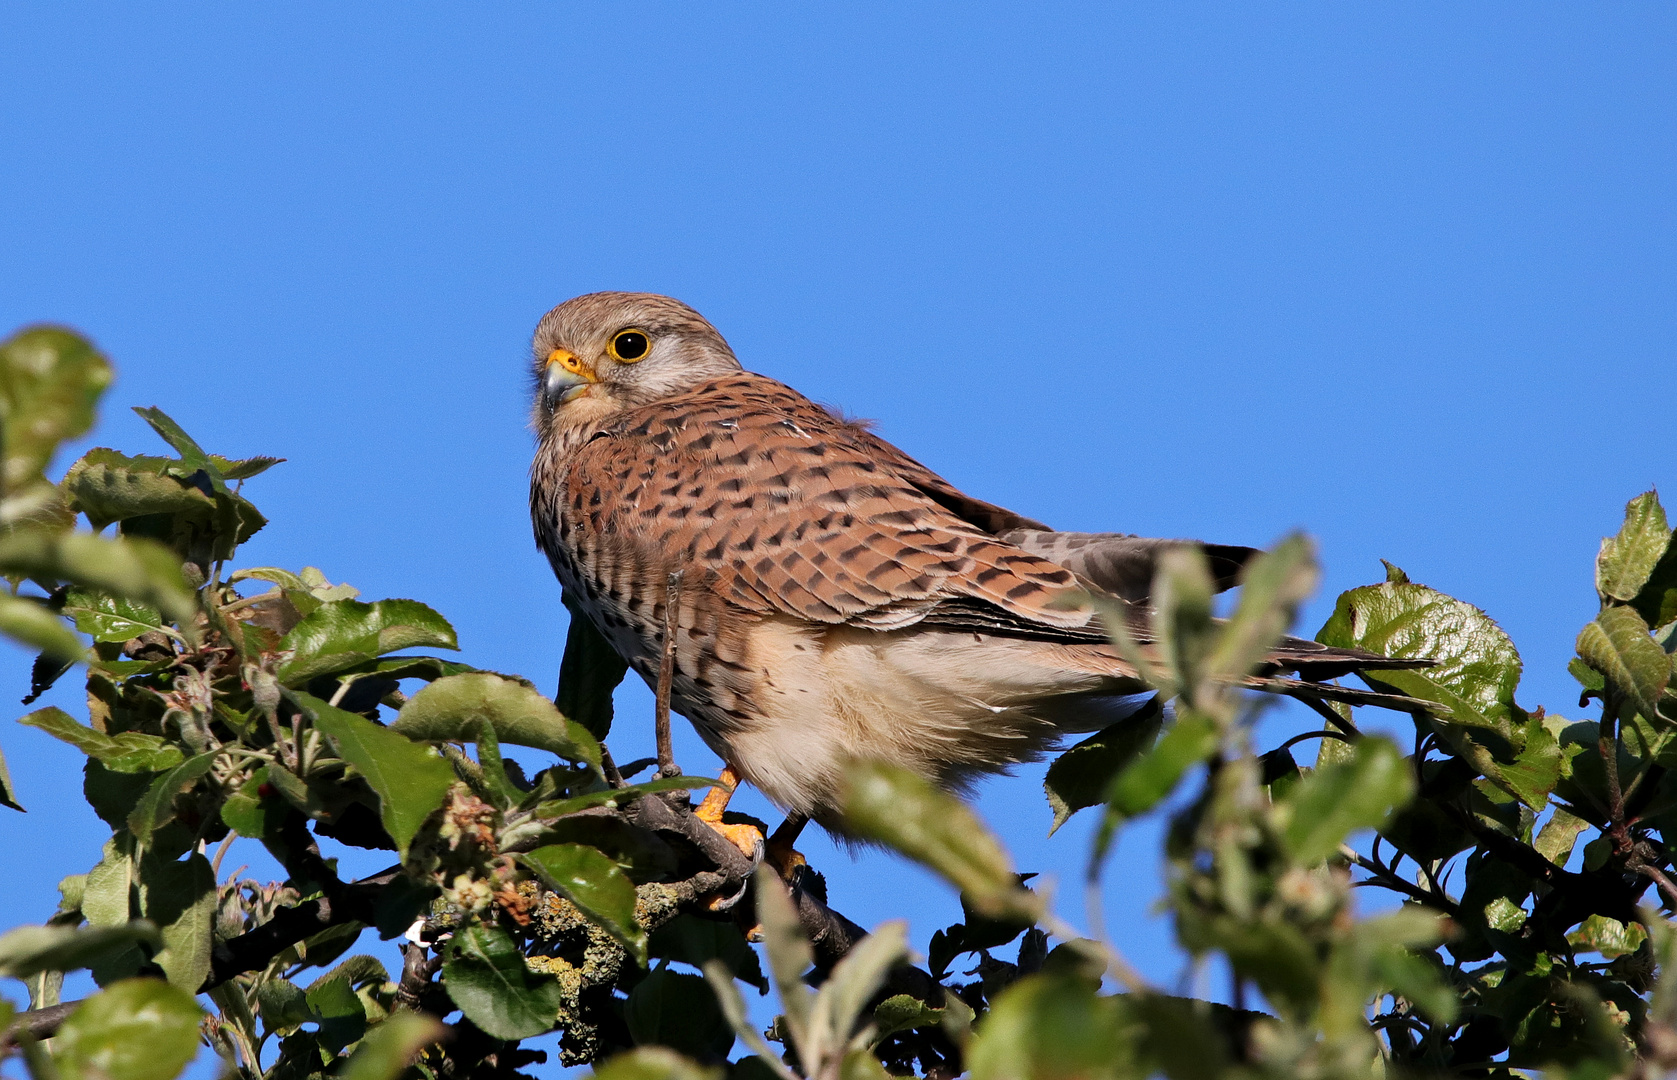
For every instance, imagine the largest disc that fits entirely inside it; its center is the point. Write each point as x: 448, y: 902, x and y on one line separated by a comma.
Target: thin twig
x: 609, y: 767
x: 666, y: 675
x: 1332, y: 717
x: 1668, y: 888
x: 1296, y: 739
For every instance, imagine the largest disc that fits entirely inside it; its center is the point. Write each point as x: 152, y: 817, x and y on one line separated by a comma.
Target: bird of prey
x: 837, y: 598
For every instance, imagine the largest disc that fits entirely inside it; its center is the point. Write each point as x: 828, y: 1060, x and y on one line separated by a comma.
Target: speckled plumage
x: 838, y: 598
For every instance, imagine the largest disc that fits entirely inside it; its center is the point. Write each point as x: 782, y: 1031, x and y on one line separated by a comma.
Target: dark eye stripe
x: 630, y: 345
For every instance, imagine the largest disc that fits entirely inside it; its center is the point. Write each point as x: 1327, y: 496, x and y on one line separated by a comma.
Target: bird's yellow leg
x: 744, y: 837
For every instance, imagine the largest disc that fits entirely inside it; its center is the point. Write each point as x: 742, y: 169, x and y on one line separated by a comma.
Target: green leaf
x: 851, y: 985
x: 654, y: 1063
x: 108, y: 490
x: 504, y: 794
x: 31, y: 624
x: 391, y: 1046
x: 131, y: 568
x: 129, y: 752
x: 1636, y: 669
x: 31, y: 949
x: 111, y: 618
x: 1153, y: 775
x: 623, y: 796
x: 452, y: 708
x: 1181, y: 598
x: 332, y: 1002
x: 1557, y: 837
x: 588, y: 673
x: 8, y: 793
x: 137, y: 1029
x: 1272, y: 586
x: 1477, y: 667
x: 157, y: 807
x: 1079, y: 777
x: 592, y: 882
x: 243, y: 468
x: 192, y: 456
x: 789, y: 954
x: 1535, y: 772
x: 733, y: 1007
x: 1628, y: 559
x: 678, y: 1011
x: 1045, y: 1027
x: 410, y: 779
x: 1381, y: 955
x: 51, y: 380
x: 105, y: 894
x: 1609, y: 937
x: 1332, y: 802
x: 486, y: 976
x: 895, y: 807
x: 248, y: 813
x: 180, y: 898
x: 342, y: 633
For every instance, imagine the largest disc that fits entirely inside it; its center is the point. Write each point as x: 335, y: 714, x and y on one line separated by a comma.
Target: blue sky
x: 1399, y: 275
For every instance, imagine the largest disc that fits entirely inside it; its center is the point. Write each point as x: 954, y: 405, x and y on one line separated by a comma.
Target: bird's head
x: 609, y: 351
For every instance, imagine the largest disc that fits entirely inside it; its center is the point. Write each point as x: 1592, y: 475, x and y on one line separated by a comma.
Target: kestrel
x: 838, y: 599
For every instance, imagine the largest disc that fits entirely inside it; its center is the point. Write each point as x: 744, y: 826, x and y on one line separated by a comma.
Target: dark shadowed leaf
x: 1477, y: 667
x: 410, y: 778
x: 895, y: 807
x: 1332, y: 802
x: 137, y: 1029
x: 1628, y: 559
x: 485, y: 975
x: 1080, y: 776
x: 689, y: 939
x: 391, y: 1046
x: 452, y: 708
x: 1636, y: 669
x: 679, y: 1011
x: 129, y: 752
x: 588, y: 673
x: 594, y: 883
x: 30, y: 949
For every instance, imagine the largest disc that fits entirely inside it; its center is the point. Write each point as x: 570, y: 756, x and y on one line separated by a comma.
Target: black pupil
x: 631, y: 346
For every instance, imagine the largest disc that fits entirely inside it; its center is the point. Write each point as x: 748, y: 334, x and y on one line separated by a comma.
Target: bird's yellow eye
x: 629, y: 345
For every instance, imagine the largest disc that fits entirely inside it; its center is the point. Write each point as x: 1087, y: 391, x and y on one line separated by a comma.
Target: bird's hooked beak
x: 566, y: 376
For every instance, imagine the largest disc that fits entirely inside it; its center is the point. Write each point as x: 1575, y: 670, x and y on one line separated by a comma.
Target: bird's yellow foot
x: 748, y: 838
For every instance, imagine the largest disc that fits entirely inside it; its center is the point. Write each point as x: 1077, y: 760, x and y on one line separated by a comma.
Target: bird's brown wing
x: 777, y: 506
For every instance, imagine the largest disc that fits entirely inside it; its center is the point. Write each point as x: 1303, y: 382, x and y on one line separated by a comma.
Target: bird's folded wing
x: 777, y: 506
